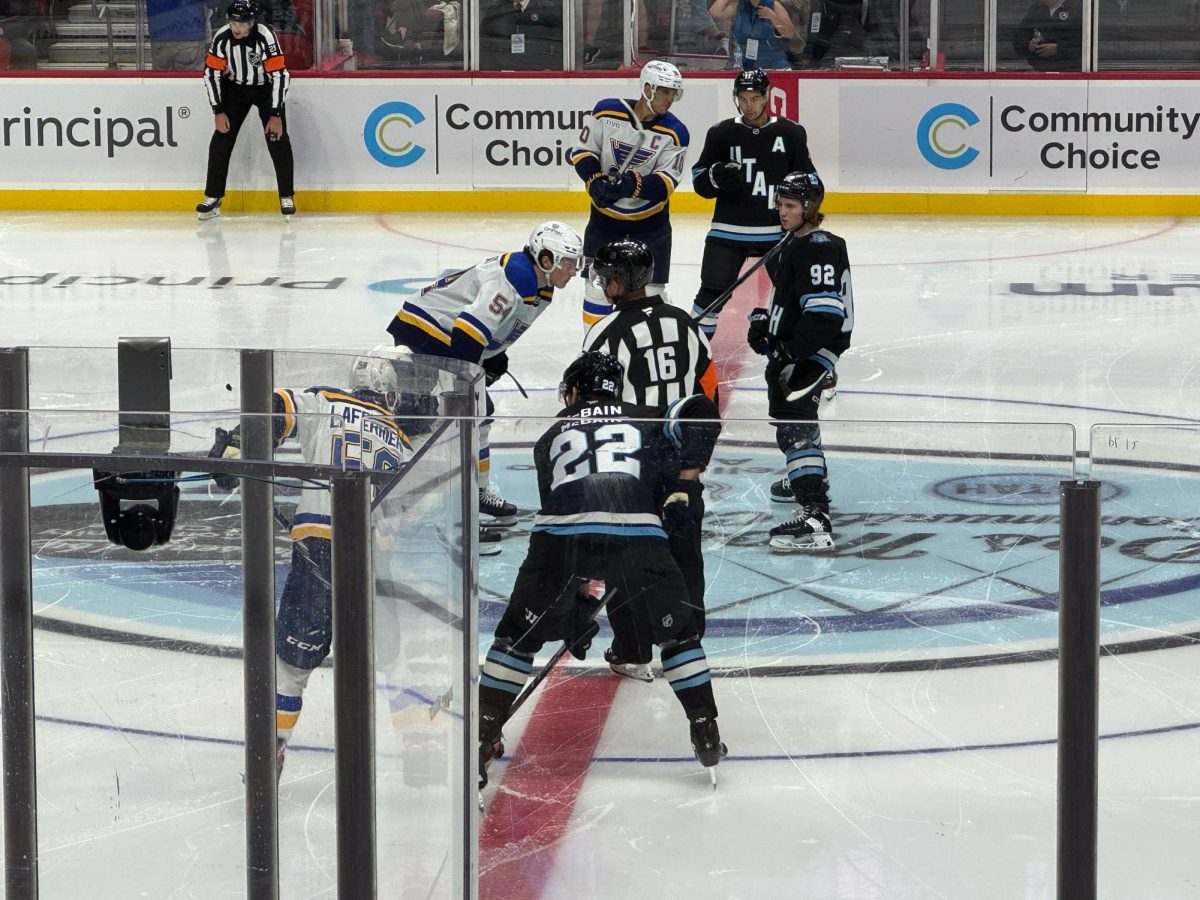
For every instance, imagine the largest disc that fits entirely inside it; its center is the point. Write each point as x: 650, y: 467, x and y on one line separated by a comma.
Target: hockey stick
x: 716, y: 305
x: 567, y: 647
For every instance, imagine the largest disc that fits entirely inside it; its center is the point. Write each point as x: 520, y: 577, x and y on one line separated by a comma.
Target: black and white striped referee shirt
x: 254, y: 60
x: 664, y: 353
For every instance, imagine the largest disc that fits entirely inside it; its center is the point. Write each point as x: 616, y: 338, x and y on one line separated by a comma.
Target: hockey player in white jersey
x: 478, y: 313
x: 347, y: 428
x: 630, y: 156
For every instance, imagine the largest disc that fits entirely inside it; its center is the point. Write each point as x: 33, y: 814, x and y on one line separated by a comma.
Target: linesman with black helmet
x: 743, y: 160
x: 668, y: 368
x: 803, y: 333
x: 245, y: 69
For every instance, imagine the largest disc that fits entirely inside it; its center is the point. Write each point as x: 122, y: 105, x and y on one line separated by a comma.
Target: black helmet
x: 627, y: 261
x: 594, y: 372
x: 751, y: 80
x: 241, y: 11
x: 803, y: 186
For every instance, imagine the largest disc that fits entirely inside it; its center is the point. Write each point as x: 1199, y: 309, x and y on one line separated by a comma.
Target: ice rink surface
x: 889, y: 708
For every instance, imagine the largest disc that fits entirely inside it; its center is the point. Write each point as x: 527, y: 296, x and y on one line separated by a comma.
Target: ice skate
x: 781, y: 491
x: 499, y: 511
x: 707, y: 744
x: 208, y: 208
x: 280, y: 753
x: 489, y: 541
x: 829, y: 387
x: 809, y: 529
x: 626, y: 669
x: 491, y: 745
x: 287, y: 206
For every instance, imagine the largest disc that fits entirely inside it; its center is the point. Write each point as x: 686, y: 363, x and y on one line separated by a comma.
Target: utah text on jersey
x: 658, y: 149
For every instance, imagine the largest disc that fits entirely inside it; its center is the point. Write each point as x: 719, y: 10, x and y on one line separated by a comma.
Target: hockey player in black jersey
x: 666, y: 359
x: 602, y: 476
x: 743, y: 160
x: 803, y: 333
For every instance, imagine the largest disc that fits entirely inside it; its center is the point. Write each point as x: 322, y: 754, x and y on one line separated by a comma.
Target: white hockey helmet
x: 658, y: 73
x: 558, y: 239
x: 376, y: 371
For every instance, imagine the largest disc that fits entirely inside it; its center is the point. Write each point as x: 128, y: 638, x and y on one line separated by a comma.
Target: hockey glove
x: 226, y: 445
x: 682, y: 505
x: 494, y: 367
x: 758, y: 336
x: 583, y: 626
x: 603, y: 192
x: 630, y: 184
x: 726, y: 176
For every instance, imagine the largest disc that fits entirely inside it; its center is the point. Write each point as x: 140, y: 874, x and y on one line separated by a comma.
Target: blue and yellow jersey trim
x: 518, y: 269
x: 307, y: 525
x: 594, y: 311
x: 473, y: 329
x: 631, y: 216
x: 418, y: 318
x: 289, y: 413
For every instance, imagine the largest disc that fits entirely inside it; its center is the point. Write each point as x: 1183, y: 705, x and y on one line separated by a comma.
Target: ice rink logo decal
x: 941, y: 138
x: 387, y: 134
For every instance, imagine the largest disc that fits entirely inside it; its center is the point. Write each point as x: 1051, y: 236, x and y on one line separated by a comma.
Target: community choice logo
x: 941, y: 136
x: 388, y: 134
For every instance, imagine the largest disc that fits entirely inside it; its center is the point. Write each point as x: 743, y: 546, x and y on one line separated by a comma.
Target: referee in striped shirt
x: 245, y: 69
x: 667, y: 359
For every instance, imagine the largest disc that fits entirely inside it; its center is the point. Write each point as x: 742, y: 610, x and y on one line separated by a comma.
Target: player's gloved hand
x: 494, y: 367
x: 726, y: 176
x: 603, y: 192
x: 758, y: 335
x: 583, y: 626
x: 630, y: 184
x: 682, y: 505
x: 226, y: 445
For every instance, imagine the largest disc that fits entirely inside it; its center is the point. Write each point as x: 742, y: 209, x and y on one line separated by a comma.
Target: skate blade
x: 712, y: 773
x: 829, y: 396
x: 489, y: 549
x: 205, y: 216
x: 497, y: 521
x: 809, y: 542
x: 637, y: 673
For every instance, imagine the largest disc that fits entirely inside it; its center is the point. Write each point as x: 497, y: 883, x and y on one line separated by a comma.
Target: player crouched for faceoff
x: 601, y: 476
x: 477, y: 314
x: 630, y: 156
x: 803, y: 333
x: 245, y: 70
x: 322, y: 420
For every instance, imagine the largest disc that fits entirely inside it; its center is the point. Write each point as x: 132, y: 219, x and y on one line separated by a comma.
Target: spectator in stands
x: 178, y: 32
x: 20, y: 22
x: 1050, y: 37
x: 421, y: 32
x: 838, y: 29
x: 522, y: 35
x: 766, y: 34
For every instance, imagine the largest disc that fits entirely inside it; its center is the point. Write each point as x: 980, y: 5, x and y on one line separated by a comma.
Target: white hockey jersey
x: 476, y: 313
x: 335, y: 428
x: 658, y: 147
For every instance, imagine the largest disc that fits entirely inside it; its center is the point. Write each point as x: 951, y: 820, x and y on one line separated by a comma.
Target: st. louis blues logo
x: 621, y: 151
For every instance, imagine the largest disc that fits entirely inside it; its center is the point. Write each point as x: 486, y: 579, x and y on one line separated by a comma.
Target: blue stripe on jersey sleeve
x: 824, y: 303
x: 483, y: 329
x: 521, y: 275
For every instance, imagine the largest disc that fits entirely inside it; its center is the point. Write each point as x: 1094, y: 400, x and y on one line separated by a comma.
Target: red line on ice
x: 730, y: 353
x: 531, y: 812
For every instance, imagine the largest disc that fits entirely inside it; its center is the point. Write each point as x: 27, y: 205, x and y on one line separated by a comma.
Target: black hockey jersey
x: 747, y: 215
x: 812, y: 299
x: 606, y: 465
x: 665, y: 355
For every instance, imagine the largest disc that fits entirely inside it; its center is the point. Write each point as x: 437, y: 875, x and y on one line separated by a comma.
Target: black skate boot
x: 491, y: 744
x: 706, y: 742
x: 208, y: 208
x: 287, y: 206
x: 489, y: 541
x: 809, y: 529
x: 781, y: 491
x: 829, y: 387
x: 499, y: 511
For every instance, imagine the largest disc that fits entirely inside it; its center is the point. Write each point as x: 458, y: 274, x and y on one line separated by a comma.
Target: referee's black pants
x: 237, y: 101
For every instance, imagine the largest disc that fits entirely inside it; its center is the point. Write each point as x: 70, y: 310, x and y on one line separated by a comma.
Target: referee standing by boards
x: 245, y: 69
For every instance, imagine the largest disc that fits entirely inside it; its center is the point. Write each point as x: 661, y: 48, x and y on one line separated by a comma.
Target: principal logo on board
x: 942, y: 136
x: 387, y: 134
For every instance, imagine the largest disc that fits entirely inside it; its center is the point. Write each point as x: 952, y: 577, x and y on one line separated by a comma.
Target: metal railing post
x: 1078, y: 688
x: 258, y: 631
x: 354, y: 684
x: 16, y: 631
